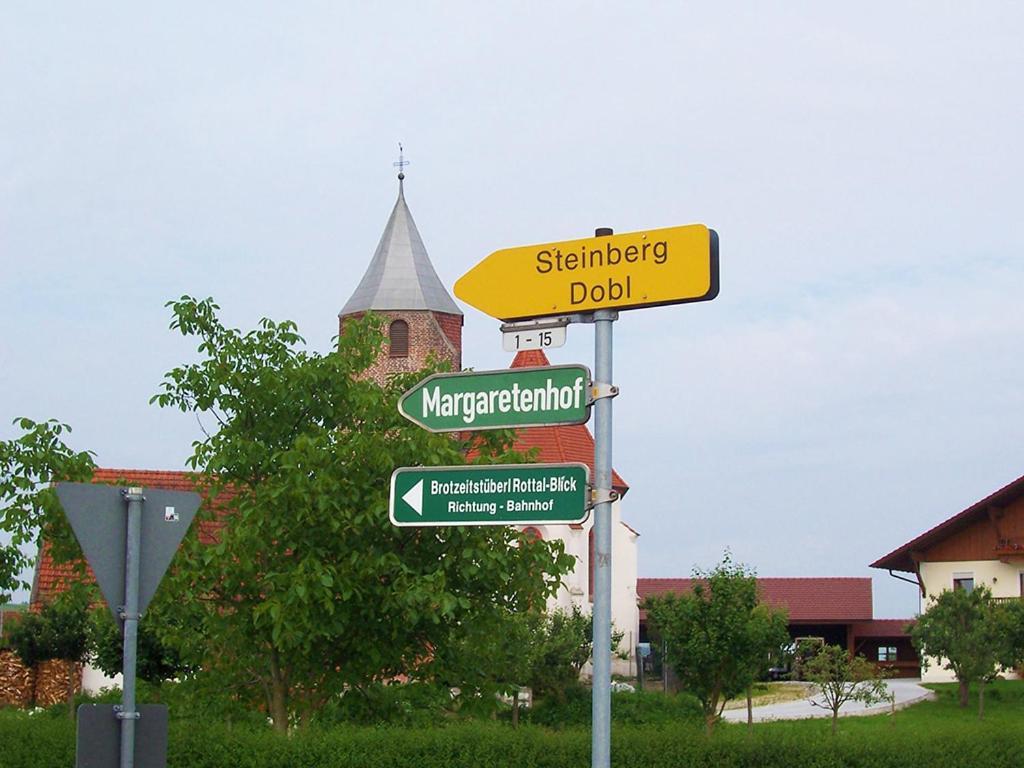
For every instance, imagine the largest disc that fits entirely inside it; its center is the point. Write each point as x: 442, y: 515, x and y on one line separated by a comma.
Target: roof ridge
x: 146, y: 471
x: 966, y: 514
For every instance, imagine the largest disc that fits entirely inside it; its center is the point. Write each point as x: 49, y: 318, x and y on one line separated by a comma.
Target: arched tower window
x: 398, y: 335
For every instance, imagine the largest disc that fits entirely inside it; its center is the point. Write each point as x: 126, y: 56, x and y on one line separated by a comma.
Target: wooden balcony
x: 1010, y: 550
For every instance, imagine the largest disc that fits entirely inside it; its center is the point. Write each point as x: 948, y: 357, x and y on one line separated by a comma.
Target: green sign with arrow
x: 497, y: 494
x: 516, y: 397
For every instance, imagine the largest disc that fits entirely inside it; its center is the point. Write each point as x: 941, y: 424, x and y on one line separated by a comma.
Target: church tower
x: 421, y: 318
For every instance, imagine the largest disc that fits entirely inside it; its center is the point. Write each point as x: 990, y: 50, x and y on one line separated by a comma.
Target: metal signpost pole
x: 130, y: 614
x: 531, y: 286
x: 601, y: 730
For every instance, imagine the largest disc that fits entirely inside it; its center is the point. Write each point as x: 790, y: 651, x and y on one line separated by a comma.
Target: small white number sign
x: 535, y: 338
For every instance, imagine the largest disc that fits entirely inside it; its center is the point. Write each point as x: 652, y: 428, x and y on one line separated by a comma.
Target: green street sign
x: 516, y: 397
x: 498, y: 494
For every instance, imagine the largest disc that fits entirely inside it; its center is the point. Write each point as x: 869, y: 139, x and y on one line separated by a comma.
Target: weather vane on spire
x: 402, y: 162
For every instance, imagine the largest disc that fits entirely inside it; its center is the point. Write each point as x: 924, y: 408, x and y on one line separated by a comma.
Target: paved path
x: 907, y: 692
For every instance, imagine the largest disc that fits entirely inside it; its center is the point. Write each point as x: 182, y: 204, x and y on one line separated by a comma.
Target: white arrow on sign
x: 414, y: 497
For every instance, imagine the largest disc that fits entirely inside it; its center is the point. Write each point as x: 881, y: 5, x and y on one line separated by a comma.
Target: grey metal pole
x: 601, y: 728
x: 639, y: 668
x: 664, y: 666
x: 130, y: 616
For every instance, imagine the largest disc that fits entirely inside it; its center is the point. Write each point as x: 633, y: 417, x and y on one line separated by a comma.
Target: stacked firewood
x: 16, y: 681
x: 52, y: 681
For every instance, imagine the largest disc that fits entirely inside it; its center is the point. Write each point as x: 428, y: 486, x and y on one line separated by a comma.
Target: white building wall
x: 1003, y: 579
x: 625, y: 610
x: 576, y: 585
x: 94, y: 680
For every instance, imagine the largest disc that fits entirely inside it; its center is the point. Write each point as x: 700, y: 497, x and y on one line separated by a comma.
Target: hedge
x: 45, y: 742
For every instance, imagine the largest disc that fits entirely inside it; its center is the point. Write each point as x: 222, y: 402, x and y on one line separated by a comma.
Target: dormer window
x: 398, y: 336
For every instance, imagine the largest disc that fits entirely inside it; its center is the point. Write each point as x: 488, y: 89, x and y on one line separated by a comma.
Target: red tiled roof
x: 147, y: 478
x: 52, y: 578
x: 900, y: 560
x: 882, y: 628
x: 558, y: 444
x: 808, y: 600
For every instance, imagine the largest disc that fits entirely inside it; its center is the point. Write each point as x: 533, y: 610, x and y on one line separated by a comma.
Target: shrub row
x: 49, y: 743
x: 639, y: 708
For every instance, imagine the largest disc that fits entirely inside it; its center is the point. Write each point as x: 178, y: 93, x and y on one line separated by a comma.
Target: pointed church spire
x: 400, y: 275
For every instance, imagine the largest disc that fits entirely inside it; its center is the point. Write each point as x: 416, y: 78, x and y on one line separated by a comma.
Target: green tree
x: 840, y: 677
x: 1011, y: 619
x: 485, y: 661
x: 308, y: 588
x: 719, y: 637
x: 544, y: 651
x: 562, y: 644
x: 768, y: 638
x: 968, y: 633
x: 156, y: 661
x: 57, y: 632
x: 29, y: 464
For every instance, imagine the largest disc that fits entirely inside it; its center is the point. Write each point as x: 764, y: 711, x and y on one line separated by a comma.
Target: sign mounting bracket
x: 603, y: 496
x: 599, y: 390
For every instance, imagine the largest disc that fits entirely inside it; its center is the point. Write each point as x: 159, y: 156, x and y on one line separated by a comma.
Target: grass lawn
x: 1004, y: 710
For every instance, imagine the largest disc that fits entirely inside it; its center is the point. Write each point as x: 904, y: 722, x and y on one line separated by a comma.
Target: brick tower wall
x: 429, y: 332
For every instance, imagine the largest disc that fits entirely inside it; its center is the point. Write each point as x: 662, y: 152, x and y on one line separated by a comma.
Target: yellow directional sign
x: 639, y: 269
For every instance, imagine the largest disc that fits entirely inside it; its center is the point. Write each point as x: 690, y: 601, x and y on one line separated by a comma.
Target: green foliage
x: 545, y: 652
x: 927, y: 735
x: 59, y: 631
x: 483, y: 660
x: 840, y: 678
x: 28, y: 503
x: 309, y: 589
x: 969, y: 634
x: 155, y: 660
x: 10, y: 615
x: 575, y: 709
x: 406, y: 704
x: 32, y: 741
x: 26, y: 639
x: 720, y: 638
x: 1010, y: 617
x: 198, y: 698
x: 562, y: 643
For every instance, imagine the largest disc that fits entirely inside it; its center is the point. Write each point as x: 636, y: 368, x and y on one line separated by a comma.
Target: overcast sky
x: 858, y: 380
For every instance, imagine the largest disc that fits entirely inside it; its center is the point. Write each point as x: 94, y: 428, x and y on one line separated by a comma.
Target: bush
x: 639, y: 708
x: 398, y: 704
x: 925, y: 736
x: 30, y: 739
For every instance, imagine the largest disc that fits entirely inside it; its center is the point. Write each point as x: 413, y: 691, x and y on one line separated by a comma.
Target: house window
x: 398, y: 335
x: 1021, y: 578
x: 963, y: 581
x: 887, y: 653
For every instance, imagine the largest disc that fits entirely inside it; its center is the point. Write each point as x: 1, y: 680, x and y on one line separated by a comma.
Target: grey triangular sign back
x: 99, y: 517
